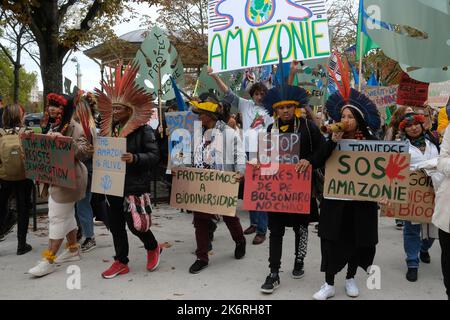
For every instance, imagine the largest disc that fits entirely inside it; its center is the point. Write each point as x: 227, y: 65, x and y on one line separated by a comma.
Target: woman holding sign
x: 58, y: 122
x: 125, y: 109
x: 226, y: 154
x: 348, y: 230
x: 286, y: 106
x: 424, y: 150
x: 441, y: 216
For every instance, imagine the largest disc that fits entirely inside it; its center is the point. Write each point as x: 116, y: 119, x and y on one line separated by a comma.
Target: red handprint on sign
x: 395, y: 166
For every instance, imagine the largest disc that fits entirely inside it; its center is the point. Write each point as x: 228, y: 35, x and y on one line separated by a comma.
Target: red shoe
x: 115, y: 269
x: 153, y: 258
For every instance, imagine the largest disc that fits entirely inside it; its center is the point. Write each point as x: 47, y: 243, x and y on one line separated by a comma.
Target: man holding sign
x: 294, y: 179
x: 125, y: 110
x: 221, y: 160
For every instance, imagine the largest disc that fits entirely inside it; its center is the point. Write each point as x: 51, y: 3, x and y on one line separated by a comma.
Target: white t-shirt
x: 255, y: 119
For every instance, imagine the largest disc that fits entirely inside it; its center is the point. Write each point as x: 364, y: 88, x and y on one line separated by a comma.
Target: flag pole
x: 159, y: 97
x: 361, y: 38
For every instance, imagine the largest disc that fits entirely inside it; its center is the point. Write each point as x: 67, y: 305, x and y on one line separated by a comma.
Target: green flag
x: 367, y: 43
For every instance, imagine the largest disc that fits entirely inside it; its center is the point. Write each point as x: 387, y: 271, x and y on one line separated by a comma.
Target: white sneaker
x: 326, y: 291
x: 351, y: 289
x: 42, y: 268
x: 67, y: 256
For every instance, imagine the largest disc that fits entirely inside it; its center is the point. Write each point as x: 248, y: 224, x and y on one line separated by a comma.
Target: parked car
x: 33, y: 119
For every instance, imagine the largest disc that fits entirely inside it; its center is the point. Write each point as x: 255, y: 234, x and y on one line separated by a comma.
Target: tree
x: 27, y: 81
x: 63, y: 25
x: 16, y: 34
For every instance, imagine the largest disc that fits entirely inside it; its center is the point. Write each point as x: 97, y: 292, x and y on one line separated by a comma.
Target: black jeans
x: 277, y: 230
x: 22, y: 191
x: 444, y: 240
x: 117, y: 220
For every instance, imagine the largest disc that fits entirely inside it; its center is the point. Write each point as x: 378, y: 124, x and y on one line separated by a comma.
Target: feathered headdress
x: 346, y: 97
x: 287, y: 95
x: 121, y: 90
x: 66, y: 106
x: 409, y: 119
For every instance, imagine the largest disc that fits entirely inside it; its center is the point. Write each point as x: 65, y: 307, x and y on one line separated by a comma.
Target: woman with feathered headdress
x: 125, y: 110
x: 287, y: 104
x: 61, y: 201
x: 348, y: 230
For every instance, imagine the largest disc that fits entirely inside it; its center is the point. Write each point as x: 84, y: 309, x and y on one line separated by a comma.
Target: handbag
x: 140, y: 209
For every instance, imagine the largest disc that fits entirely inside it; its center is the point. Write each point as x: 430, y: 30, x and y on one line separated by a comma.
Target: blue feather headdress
x: 351, y: 98
x: 278, y: 96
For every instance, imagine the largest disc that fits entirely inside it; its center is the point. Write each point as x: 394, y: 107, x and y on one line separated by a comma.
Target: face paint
x: 429, y: 17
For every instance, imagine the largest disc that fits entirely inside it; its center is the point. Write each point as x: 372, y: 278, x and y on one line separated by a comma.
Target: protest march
x: 270, y: 117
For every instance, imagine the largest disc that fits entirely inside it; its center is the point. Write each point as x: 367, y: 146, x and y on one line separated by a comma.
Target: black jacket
x: 142, y: 144
x: 311, y: 142
x: 332, y: 214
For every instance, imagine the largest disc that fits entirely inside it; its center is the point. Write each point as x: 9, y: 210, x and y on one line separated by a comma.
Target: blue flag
x: 373, y: 80
x: 180, y: 102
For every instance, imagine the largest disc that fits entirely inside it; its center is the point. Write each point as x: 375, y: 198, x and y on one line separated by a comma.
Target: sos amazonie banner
x: 248, y: 33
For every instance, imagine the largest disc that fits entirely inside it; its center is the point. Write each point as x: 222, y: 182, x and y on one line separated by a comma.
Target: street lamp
x: 74, y: 59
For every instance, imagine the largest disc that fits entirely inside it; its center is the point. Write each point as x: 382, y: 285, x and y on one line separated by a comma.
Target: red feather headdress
x: 122, y: 90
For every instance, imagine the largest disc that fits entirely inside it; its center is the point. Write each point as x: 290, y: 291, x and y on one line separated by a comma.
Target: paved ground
x: 225, y: 278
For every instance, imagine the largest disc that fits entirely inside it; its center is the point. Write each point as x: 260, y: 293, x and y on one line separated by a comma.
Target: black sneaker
x: 411, y: 275
x: 272, y: 282
x: 239, y: 252
x: 425, y: 257
x: 22, y: 249
x: 88, y: 245
x: 198, y: 266
x: 298, y: 271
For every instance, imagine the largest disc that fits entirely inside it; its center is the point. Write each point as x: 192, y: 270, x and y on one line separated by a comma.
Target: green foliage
x: 27, y: 81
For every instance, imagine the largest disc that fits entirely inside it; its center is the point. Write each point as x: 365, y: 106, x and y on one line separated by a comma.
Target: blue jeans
x: 259, y: 219
x: 86, y: 216
x: 413, y: 244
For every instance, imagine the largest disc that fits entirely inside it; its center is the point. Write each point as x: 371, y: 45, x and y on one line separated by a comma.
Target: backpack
x: 12, y: 166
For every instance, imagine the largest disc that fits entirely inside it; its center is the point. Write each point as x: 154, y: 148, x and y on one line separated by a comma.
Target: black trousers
x: 277, y: 230
x: 444, y: 240
x: 22, y: 191
x: 117, y: 219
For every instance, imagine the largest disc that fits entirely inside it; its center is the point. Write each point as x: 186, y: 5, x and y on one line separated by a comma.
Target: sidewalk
x: 225, y: 278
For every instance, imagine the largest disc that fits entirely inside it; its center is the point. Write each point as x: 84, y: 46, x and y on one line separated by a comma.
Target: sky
x: 90, y: 71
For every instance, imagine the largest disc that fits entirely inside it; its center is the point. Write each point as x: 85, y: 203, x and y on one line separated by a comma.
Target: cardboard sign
x: 244, y: 34
x: 411, y: 92
x: 383, y: 97
x: 50, y: 160
x: 202, y: 190
x: 287, y: 145
x: 284, y: 191
x: 373, y: 146
x: 420, y: 206
x: 367, y: 176
x: 438, y: 94
x: 108, y: 176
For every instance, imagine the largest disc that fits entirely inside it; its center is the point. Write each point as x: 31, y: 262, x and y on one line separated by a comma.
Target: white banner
x: 248, y: 33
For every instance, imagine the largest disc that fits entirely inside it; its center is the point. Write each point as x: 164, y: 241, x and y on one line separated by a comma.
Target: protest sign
x: 50, y: 160
x: 108, y: 176
x: 181, y: 120
x: 438, y: 94
x: 373, y: 146
x: 208, y: 191
x: 156, y: 52
x: 285, y: 190
x: 367, y: 176
x: 287, y: 145
x: 383, y: 97
x: 248, y: 33
x: 420, y: 206
x: 411, y: 92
